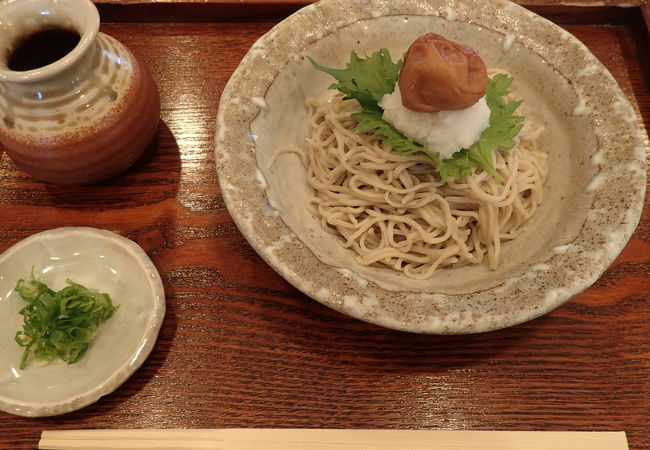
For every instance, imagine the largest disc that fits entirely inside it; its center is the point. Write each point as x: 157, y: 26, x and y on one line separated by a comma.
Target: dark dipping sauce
x: 41, y: 48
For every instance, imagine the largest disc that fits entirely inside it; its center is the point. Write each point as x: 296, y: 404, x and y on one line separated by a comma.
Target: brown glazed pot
x: 84, y: 118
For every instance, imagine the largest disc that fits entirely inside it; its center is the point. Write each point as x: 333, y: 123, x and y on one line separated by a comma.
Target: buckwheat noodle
x: 393, y: 209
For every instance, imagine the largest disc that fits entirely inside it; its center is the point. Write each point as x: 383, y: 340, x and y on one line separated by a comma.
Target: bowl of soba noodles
x: 433, y: 167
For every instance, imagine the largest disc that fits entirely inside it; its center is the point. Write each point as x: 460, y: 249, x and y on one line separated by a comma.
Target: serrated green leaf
x: 372, y: 121
x: 366, y: 80
x: 456, y: 167
x: 503, y: 128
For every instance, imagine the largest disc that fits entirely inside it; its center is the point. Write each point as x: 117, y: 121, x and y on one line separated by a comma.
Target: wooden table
x: 240, y: 347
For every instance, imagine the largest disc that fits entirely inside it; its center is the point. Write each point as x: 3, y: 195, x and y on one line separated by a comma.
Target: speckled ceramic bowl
x: 593, y: 194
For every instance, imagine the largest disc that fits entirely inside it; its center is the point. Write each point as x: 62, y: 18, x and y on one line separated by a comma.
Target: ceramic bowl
x: 593, y: 193
x: 97, y: 259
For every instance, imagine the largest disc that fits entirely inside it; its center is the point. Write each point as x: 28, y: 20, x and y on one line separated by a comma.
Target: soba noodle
x: 393, y: 209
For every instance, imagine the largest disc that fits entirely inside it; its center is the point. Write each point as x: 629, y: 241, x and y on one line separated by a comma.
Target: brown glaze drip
x: 9, y: 118
x: 439, y: 75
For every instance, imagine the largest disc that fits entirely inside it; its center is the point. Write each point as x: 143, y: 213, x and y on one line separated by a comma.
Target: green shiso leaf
x: 367, y: 80
x: 503, y: 128
x: 372, y: 121
x: 59, y: 324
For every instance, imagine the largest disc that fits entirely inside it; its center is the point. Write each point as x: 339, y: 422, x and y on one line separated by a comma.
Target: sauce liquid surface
x: 42, y: 47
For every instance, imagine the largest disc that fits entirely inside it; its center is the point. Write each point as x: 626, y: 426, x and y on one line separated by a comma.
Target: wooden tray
x: 240, y: 347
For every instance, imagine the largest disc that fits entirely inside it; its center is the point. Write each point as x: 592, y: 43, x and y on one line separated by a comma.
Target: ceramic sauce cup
x: 76, y: 106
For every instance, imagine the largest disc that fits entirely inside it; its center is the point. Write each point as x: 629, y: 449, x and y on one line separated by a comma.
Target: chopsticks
x: 329, y: 439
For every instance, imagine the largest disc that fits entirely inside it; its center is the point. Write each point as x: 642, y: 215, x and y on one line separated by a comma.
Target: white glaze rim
x: 85, y: 18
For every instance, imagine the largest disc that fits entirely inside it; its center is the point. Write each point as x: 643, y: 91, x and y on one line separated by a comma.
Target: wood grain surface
x: 240, y: 347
